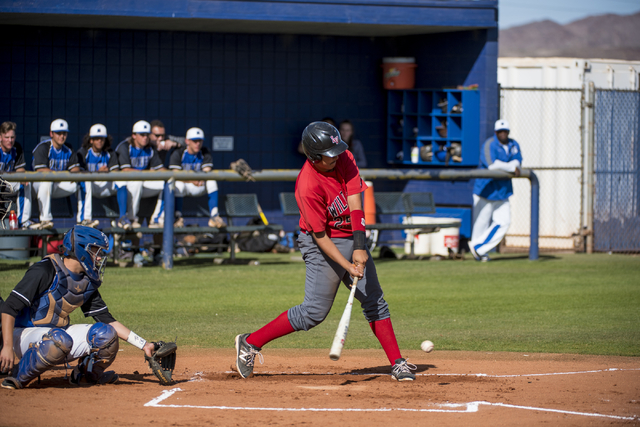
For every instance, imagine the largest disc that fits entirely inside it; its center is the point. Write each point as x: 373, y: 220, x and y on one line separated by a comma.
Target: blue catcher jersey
x: 492, y: 150
x: 12, y: 160
x: 52, y: 308
x: 182, y: 160
x: 45, y: 155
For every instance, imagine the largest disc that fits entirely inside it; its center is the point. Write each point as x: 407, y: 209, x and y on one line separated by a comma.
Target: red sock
x: 277, y: 328
x: 383, y: 330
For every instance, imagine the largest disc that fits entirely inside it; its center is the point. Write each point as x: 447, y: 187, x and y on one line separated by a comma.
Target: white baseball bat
x: 343, y: 326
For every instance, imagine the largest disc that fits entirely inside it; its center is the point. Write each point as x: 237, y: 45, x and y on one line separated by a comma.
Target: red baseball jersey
x: 322, y: 196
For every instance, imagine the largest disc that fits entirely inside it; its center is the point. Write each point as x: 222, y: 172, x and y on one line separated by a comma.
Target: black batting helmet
x: 321, y: 139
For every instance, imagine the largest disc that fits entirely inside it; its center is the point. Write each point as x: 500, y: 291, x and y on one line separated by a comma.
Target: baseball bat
x: 343, y: 326
x: 262, y: 216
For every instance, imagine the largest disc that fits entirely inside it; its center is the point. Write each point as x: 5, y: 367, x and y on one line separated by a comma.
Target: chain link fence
x: 547, y: 124
x: 616, y: 207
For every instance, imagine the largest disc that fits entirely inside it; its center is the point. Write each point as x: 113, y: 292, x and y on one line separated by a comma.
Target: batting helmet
x: 321, y: 139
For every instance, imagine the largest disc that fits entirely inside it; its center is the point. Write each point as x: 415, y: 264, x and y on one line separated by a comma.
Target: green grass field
x: 588, y: 304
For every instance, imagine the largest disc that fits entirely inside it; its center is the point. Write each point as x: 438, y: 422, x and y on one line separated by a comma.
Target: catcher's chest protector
x: 63, y: 296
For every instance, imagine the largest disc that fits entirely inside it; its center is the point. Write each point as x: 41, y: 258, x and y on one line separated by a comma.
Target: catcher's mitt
x: 243, y: 169
x: 163, y: 361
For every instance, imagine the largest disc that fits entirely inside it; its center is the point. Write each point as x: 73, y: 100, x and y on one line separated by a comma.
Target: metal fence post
x: 535, y: 216
x: 590, y: 166
x: 167, y: 235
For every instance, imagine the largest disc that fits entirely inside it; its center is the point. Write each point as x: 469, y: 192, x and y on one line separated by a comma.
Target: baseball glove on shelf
x: 163, y: 361
x: 243, y: 168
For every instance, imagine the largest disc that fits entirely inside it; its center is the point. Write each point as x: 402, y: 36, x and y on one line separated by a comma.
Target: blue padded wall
x: 261, y: 88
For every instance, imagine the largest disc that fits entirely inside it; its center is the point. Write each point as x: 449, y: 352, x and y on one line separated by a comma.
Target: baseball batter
x: 332, y: 242
x: 35, y: 316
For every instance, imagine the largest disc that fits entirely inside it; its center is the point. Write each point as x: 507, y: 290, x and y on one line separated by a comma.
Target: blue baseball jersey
x: 12, y: 160
x: 137, y: 158
x: 182, y: 160
x: 91, y: 161
x: 492, y: 150
x: 45, y: 155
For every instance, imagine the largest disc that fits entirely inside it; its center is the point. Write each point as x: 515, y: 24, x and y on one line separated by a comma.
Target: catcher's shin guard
x: 103, y: 340
x: 51, y: 350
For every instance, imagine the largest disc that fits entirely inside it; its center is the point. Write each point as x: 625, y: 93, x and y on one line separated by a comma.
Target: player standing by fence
x: 491, y: 210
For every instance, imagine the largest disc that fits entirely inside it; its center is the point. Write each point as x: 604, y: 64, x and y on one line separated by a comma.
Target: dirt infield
x: 296, y: 387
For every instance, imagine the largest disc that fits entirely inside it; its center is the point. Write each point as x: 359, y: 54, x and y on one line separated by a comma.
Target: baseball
x: 427, y: 346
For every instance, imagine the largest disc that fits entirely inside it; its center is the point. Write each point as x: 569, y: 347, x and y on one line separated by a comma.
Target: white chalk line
x: 443, y: 374
x: 469, y: 407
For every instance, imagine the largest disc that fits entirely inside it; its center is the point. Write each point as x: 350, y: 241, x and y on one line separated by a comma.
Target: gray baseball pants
x: 321, y: 285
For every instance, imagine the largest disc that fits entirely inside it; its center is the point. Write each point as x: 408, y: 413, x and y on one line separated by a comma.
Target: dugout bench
x: 60, y: 208
x: 237, y: 207
x: 389, y: 203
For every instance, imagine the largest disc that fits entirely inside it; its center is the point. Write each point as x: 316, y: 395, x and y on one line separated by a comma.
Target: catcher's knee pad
x: 103, y: 340
x: 51, y: 350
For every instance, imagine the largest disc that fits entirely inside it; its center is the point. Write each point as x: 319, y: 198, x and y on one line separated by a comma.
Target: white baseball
x: 427, y: 346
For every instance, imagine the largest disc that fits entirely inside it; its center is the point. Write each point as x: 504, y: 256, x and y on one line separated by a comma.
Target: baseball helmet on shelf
x: 321, y: 139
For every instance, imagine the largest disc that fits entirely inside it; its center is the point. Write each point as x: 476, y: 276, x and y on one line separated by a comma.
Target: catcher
x: 35, y: 319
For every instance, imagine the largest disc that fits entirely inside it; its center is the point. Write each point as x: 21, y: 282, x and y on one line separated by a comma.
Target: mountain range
x: 607, y: 36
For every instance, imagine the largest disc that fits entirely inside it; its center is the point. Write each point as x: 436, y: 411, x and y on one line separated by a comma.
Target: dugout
x: 257, y: 71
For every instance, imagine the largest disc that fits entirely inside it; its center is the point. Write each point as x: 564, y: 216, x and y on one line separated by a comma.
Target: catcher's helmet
x: 89, y: 246
x: 321, y: 139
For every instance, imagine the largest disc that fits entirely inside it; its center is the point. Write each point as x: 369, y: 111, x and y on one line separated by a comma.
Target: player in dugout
x: 332, y: 243
x: 96, y: 156
x: 12, y: 160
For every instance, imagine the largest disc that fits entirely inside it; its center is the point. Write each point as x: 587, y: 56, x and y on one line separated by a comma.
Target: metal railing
x: 281, y: 175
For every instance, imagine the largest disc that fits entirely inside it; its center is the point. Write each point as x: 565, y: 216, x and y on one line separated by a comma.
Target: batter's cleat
x: 246, y: 355
x: 474, y: 253
x: 11, y: 384
x: 401, y: 371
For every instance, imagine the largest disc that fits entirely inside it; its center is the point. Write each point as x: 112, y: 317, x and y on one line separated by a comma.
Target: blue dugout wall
x: 261, y: 88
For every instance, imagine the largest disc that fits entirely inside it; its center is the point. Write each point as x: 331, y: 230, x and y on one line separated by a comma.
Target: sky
x: 518, y: 12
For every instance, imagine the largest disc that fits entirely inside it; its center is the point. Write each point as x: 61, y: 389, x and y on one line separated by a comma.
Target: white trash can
x: 433, y: 243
